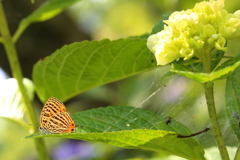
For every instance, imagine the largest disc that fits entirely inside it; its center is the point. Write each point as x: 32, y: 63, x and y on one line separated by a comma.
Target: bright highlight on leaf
x: 11, y: 105
x: 48, y: 15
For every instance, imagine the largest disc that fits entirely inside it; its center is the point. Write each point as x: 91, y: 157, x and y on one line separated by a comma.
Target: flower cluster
x: 194, y: 32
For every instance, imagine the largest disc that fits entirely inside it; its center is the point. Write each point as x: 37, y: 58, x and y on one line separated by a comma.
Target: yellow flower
x: 195, y: 31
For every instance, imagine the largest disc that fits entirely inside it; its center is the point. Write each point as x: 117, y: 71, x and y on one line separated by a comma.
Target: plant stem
x: 213, y: 118
x: 17, y: 74
x: 22, y: 26
x: 212, y: 109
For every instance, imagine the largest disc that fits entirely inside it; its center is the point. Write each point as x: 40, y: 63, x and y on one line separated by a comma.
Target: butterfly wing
x: 60, y: 123
x: 51, y: 108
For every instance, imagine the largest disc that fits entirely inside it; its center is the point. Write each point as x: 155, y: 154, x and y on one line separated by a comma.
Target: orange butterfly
x: 55, y: 119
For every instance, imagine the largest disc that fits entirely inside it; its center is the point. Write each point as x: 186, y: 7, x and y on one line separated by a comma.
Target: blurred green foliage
x: 123, y: 18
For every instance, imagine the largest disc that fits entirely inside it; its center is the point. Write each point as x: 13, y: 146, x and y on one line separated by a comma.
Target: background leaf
x: 80, y: 66
x: 160, y: 26
x: 217, y: 57
x: 232, y: 97
x: 11, y: 105
x: 131, y: 127
x: 48, y: 10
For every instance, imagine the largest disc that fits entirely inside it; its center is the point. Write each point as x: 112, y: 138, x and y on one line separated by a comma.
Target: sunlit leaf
x: 80, y: 66
x: 221, y: 72
x: 11, y: 106
x: 131, y: 127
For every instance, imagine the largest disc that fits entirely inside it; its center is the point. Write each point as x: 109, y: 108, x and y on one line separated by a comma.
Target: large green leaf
x: 221, y: 72
x: 80, y: 66
x: 11, y: 106
x: 232, y: 97
x: 131, y: 127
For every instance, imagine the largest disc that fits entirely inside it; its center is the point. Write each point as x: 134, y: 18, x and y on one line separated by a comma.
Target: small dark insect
x: 168, y: 120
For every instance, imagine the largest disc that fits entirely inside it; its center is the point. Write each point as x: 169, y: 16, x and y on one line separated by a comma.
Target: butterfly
x: 55, y: 119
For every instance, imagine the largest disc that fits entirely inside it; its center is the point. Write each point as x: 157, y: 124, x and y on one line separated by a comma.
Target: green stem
x: 19, y: 31
x: 17, y: 74
x: 212, y: 109
x: 1, y: 40
x: 237, y: 156
x: 213, y: 118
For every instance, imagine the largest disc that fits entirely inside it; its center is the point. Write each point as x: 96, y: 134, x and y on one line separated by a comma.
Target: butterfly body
x: 55, y: 119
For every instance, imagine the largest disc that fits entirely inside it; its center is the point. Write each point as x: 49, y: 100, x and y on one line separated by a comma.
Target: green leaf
x: 46, y: 11
x: 168, y: 74
x: 221, y: 72
x: 217, y: 58
x: 80, y: 66
x: 144, y: 36
x: 232, y: 97
x: 228, y: 63
x: 11, y: 105
x: 193, y: 64
x: 131, y: 127
x: 160, y: 26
